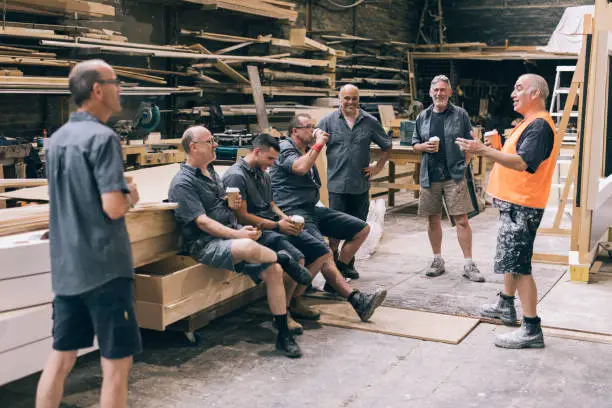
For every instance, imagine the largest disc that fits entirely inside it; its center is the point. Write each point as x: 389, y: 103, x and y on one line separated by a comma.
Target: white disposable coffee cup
x: 232, y: 192
x: 436, y: 140
x: 298, y: 219
x: 493, y: 138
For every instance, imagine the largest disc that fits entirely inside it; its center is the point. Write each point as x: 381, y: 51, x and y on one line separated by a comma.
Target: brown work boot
x: 294, y: 327
x: 301, y: 310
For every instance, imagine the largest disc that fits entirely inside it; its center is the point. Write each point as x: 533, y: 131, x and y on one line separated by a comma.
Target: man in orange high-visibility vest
x: 520, y: 184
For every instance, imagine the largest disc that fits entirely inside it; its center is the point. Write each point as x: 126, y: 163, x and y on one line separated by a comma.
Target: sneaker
x: 297, y: 272
x: 347, y: 271
x: 525, y: 337
x: 504, y: 309
x: 436, y: 268
x: 365, y: 304
x: 294, y: 327
x: 286, y: 344
x: 301, y: 310
x: 472, y: 273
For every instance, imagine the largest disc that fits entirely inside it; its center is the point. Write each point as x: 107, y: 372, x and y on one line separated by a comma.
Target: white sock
x: 469, y: 261
x: 438, y: 256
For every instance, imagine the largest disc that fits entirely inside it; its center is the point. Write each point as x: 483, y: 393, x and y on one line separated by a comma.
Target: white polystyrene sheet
x: 28, y: 359
x: 26, y: 291
x: 24, y: 326
x: 24, y: 254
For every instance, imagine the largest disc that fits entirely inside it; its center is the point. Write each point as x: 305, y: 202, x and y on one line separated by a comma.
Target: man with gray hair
x: 520, y: 183
x: 91, y: 256
x: 443, y: 167
x: 351, y: 131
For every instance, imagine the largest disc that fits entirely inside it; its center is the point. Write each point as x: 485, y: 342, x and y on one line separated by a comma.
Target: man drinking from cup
x: 443, y: 167
x: 249, y: 176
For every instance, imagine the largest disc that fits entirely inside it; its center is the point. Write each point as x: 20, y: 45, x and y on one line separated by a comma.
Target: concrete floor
x: 234, y: 364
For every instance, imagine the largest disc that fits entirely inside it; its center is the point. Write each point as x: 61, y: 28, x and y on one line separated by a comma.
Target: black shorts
x: 357, y: 205
x: 517, y: 232
x: 106, y: 312
x: 312, y: 247
x: 324, y: 222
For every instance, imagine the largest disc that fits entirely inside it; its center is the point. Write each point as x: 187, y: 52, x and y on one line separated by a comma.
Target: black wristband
x: 276, y: 227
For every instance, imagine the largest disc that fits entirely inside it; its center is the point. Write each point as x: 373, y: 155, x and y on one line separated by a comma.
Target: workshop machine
x: 146, y: 120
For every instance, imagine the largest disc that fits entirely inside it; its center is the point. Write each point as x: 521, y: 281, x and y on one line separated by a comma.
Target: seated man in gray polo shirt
x: 213, y: 237
x: 250, y: 177
x: 295, y: 188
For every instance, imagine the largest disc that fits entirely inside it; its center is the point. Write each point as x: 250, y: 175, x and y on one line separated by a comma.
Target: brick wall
x: 521, y: 22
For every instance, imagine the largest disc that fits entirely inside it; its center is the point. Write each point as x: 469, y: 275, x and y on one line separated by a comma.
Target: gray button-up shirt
x: 348, y: 150
x: 197, y: 194
x: 255, y: 187
x: 291, y: 191
x: 88, y: 249
x: 456, y: 124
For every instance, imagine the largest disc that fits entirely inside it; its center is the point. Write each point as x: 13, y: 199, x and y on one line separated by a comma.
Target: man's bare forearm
x: 214, y: 228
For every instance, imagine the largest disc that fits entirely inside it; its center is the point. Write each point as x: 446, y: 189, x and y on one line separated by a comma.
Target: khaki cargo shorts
x: 455, y: 194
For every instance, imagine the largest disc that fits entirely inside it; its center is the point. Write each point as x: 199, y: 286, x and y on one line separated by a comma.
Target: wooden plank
x: 577, y: 335
x: 258, y: 98
x: 20, y: 183
x: 297, y: 37
x: 234, y: 47
x: 70, y: 6
x: 387, y: 115
x: 397, y: 322
x: 550, y: 258
x: 295, y: 76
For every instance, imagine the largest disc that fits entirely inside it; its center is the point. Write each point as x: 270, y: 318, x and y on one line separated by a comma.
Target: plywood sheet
x: 579, y: 306
x: 24, y: 326
x: 397, y: 322
x: 152, y: 182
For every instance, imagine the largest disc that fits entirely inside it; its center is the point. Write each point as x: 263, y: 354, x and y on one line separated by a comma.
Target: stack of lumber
x: 61, y: 7
x: 276, y: 9
x: 378, y: 67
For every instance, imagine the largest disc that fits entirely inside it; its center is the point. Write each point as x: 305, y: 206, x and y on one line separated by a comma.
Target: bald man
x: 520, y: 183
x: 351, y: 131
x: 91, y: 256
x: 212, y: 235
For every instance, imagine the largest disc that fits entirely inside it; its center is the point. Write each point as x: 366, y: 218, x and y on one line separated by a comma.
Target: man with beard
x: 443, y: 167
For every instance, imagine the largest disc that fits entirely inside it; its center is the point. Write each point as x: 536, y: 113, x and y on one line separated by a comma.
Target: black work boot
x: 285, y: 343
x: 528, y: 336
x: 504, y: 309
x: 365, y: 303
x: 297, y: 272
x: 346, y: 270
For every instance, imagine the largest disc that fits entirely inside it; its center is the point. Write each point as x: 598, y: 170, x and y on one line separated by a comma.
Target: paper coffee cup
x: 232, y: 192
x: 493, y: 138
x: 298, y: 219
x: 436, y: 140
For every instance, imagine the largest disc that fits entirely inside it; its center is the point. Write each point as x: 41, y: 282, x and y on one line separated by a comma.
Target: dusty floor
x: 234, y: 364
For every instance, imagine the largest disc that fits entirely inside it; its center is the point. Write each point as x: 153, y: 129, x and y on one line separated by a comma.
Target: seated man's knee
x: 243, y: 246
x: 273, y: 274
x: 363, y: 233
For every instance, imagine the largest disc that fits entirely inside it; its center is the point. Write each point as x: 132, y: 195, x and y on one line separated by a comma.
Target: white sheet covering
x: 567, y: 37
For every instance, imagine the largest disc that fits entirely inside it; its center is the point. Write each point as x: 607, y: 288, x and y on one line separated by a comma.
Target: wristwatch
x: 276, y: 227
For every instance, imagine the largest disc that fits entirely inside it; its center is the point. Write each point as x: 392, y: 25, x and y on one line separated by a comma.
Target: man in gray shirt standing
x: 351, y: 132
x: 443, y: 167
x: 91, y: 256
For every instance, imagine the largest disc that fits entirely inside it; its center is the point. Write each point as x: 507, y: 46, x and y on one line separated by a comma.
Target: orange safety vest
x: 522, y: 187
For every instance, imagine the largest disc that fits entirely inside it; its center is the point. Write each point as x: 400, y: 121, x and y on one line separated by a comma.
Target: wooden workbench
x: 404, y: 155
x: 400, y: 156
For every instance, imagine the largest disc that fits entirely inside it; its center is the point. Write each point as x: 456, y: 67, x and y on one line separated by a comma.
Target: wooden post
x: 258, y: 98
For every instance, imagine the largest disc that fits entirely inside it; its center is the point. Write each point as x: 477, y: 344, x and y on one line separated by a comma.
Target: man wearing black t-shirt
x: 443, y: 167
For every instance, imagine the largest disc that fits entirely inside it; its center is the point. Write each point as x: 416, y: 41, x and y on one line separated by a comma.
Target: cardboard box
x: 177, y: 287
